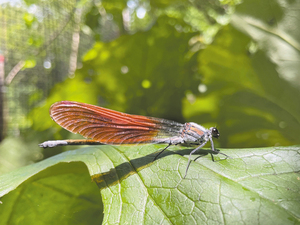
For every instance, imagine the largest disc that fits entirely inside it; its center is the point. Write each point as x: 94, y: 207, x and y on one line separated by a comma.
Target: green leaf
x: 29, y: 63
x: 251, y: 79
x: 271, y: 26
x: 30, y: 2
x: 253, y: 186
x: 28, y: 18
x: 49, y: 194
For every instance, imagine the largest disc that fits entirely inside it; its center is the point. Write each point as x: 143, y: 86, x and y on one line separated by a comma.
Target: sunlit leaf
x: 253, y: 185
x: 29, y: 63
x: 253, y: 103
x: 51, y: 194
x: 271, y: 26
x: 28, y: 18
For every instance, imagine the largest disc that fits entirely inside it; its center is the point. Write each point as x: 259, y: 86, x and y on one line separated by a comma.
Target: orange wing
x: 109, y: 126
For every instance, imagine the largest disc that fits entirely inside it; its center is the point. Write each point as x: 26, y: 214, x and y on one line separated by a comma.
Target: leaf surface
x: 259, y: 185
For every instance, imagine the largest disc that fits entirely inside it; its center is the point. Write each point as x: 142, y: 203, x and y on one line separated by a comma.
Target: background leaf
x: 49, y: 194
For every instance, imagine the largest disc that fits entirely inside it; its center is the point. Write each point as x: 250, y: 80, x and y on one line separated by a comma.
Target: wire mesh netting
x: 39, y: 46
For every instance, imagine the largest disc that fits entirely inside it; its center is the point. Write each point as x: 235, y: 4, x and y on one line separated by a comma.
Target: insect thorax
x: 194, y: 133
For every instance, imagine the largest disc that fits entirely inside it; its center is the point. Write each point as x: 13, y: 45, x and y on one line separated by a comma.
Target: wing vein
x: 111, y: 127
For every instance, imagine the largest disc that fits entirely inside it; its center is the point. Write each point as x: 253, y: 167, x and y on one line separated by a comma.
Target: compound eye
x: 215, y: 133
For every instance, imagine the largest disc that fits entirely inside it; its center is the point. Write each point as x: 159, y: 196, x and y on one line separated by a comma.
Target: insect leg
x: 192, y: 152
x: 212, y: 145
x: 161, y: 151
x: 212, y: 157
x: 198, y: 157
x: 218, y: 152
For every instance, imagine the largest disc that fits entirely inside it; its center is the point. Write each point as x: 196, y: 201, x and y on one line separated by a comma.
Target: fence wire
x: 38, y: 48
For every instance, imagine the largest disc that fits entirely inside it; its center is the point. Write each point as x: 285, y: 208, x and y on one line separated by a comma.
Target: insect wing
x: 109, y: 126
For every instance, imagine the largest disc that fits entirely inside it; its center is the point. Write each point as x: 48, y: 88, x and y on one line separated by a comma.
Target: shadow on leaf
x: 124, y: 170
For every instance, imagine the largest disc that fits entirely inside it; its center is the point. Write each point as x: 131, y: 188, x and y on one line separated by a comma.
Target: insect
x: 105, y: 126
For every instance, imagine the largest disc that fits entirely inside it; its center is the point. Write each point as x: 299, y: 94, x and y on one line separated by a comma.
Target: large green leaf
x: 253, y: 186
x: 250, y: 72
x: 271, y: 25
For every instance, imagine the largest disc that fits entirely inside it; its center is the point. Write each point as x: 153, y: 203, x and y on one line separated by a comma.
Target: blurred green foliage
x: 206, y: 62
